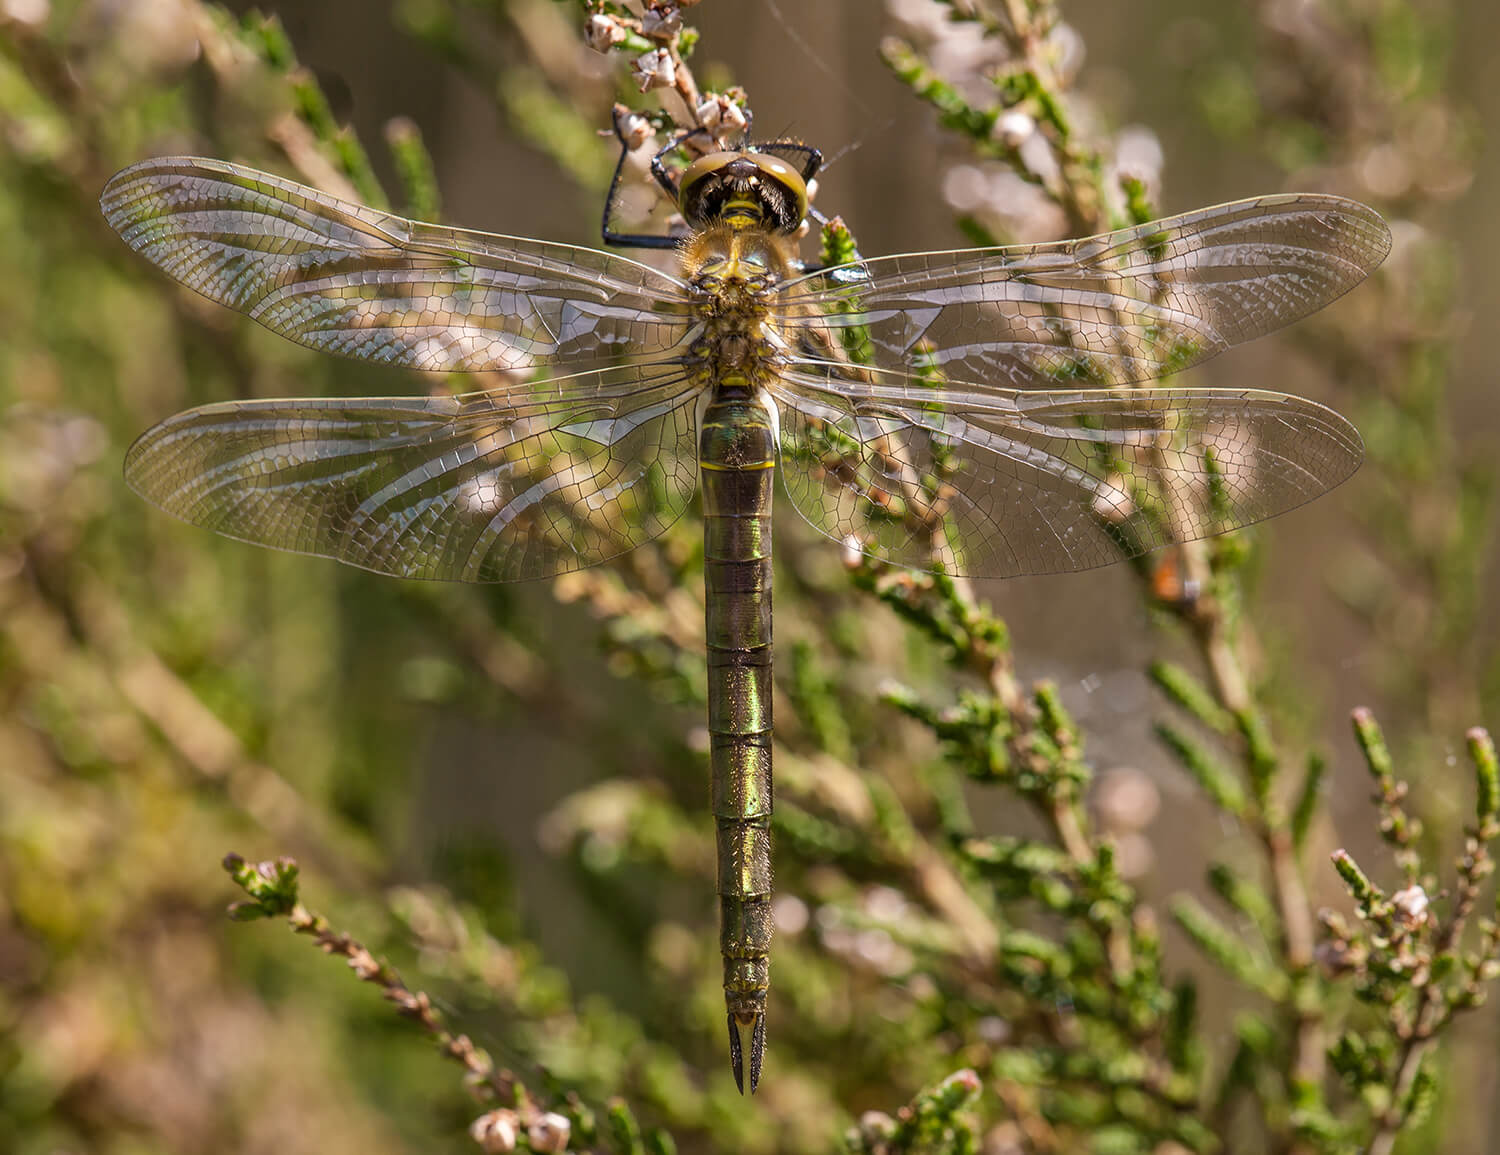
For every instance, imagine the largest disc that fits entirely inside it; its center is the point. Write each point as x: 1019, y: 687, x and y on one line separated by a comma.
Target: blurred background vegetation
x: 502, y: 789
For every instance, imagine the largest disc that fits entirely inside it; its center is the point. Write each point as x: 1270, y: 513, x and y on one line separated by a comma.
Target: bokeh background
x: 432, y: 755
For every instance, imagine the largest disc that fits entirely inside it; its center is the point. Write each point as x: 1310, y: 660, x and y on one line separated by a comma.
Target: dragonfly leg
x: 659, y: 169
x: 812, y: 158
x: 822, y: 222
x: 663, y: 178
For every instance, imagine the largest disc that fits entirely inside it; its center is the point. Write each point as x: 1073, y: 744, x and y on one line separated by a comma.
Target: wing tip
x: 1372, y: 230
x: 125, y: 188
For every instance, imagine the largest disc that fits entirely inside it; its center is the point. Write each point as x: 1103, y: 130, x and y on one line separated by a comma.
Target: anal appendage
x: 755, y: 1023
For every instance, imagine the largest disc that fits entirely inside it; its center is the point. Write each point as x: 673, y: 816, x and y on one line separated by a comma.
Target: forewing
x: 347, y: 279
x: 472, y: 488
x: 1126, y: 306
x: 1002, y: 483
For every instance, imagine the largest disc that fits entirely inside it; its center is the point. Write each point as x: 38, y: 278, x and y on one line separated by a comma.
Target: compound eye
x: 785, y: 175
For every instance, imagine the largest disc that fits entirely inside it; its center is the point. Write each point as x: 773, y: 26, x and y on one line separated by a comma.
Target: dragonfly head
x: 744, y: 190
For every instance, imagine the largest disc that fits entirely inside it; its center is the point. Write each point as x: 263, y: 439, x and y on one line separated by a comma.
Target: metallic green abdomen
x: 738, y: 458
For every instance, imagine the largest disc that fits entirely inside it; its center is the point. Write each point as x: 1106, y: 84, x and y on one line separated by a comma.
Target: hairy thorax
x: 735, y: 274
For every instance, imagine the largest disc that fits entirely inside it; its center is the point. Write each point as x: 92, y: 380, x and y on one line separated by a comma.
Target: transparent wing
x: 1125, y: 306
x: 351, y: 280
x: 470, y: 488
x: 1000, y: 483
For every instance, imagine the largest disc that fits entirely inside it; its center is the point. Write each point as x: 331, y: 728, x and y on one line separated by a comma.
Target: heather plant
x: 975, y: 950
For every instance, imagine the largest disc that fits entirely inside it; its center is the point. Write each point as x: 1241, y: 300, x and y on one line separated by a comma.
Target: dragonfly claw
x: 755, y: 1021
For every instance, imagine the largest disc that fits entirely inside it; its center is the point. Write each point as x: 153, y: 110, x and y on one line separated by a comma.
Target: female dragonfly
x: 971, y: 410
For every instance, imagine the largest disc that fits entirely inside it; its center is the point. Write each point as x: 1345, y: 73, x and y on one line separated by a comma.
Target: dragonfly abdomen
x: 738, y: 459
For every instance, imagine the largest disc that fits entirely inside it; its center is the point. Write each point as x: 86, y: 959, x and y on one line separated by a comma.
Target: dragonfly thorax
x: 736, y: 264
x: 734, y: 274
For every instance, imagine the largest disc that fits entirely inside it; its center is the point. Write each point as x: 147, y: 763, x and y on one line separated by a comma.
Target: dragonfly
x: 989, y: 412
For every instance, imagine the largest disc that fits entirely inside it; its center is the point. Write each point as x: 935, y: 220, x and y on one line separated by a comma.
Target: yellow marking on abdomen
x: 735, y: 468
